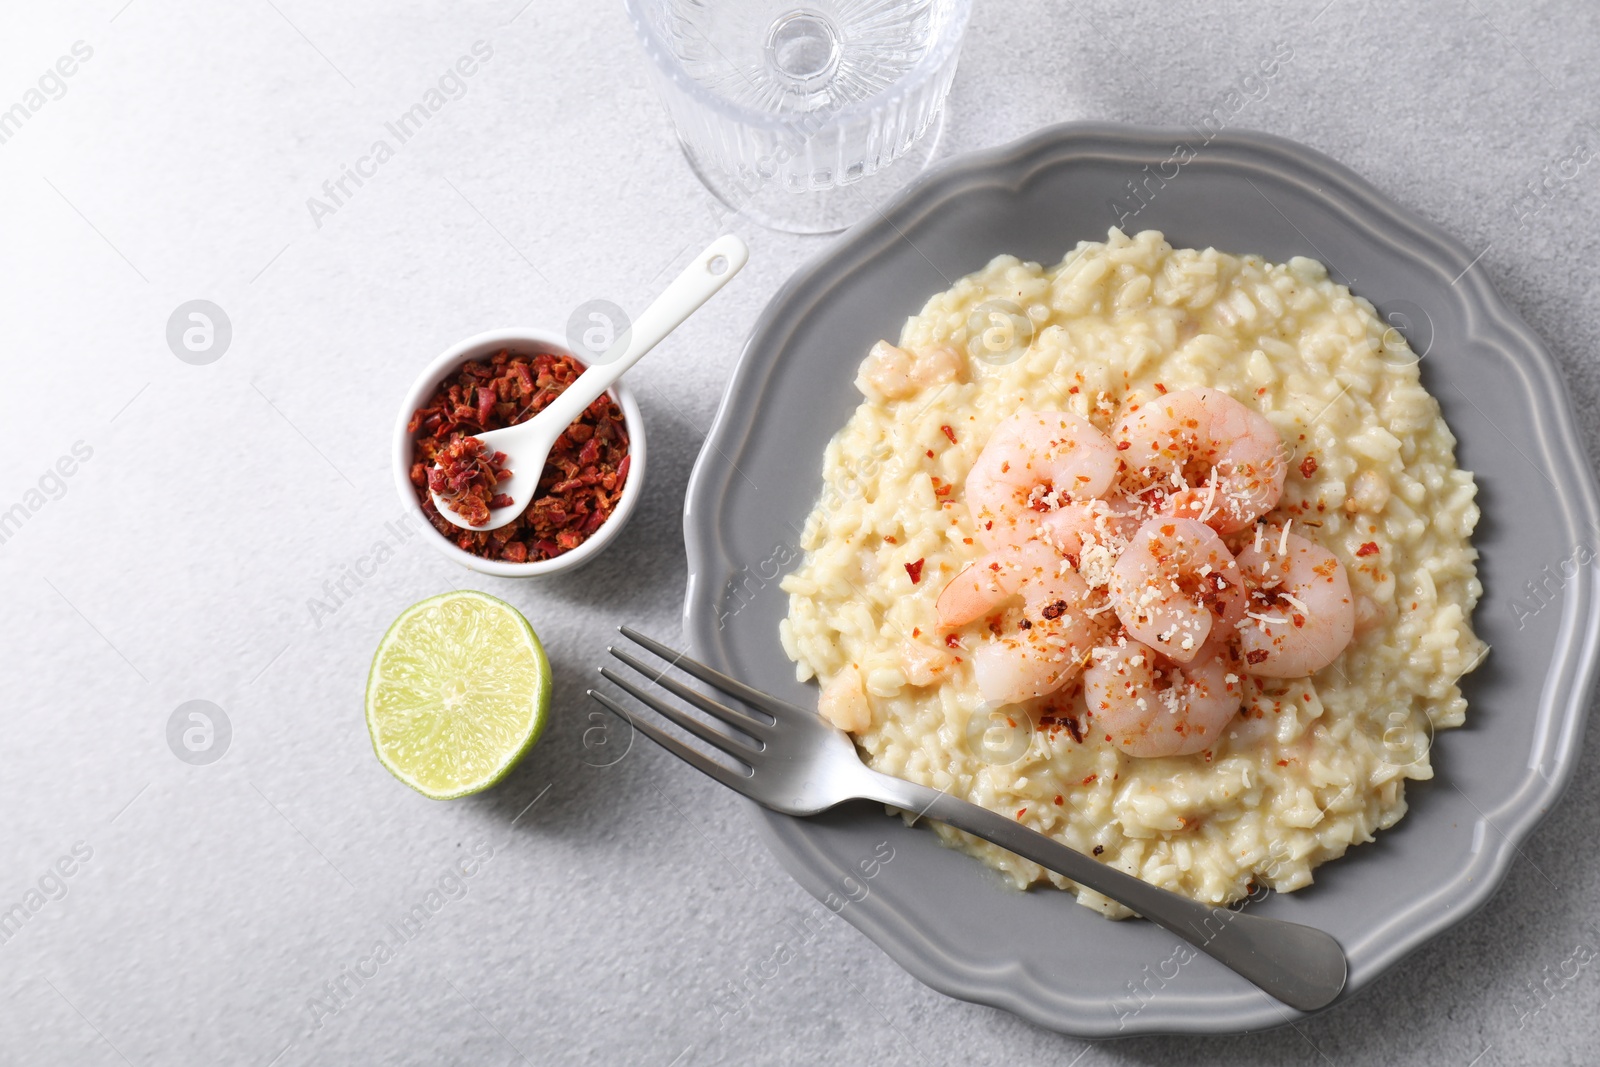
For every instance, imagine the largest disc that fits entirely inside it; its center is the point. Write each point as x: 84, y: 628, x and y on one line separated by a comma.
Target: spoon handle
x: 699, y: 282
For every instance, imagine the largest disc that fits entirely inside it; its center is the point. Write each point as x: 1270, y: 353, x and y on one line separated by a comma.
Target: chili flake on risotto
x: 1188, y: 523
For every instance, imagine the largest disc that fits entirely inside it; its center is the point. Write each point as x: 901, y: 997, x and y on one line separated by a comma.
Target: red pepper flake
x: 930, y: 453
x: 1021, y: 812
x: 465, y: 476
x: 1161, y: 389
x: 916, y: 631
x: 1072, y: 389
x: 1123, y: 446
x: 1308, y: 466
x: 1053, y: 721
x: 952, y: 641
x: 948, y: 432
x: 1091, y: 779
x: 1283, y: 763
x: 582, y: 478
x: 890, y: 538
x: 1368, y: 549
x: 1255, y: 655
x: 1058, y: 800
x: 914, y: 569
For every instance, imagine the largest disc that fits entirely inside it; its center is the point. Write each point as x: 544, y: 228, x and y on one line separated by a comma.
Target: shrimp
x: 1174, y: 584
x: 843, y: 701
x: 1040, y: 657
x: 1201, y: 454
x: 921, y: 663
x: 1301, y: 612
x: 1093, y: 522
x: 1146, y: 705
x: 1053, y: 635
x: 895, y: 373
x: 1031, y: 459
x: 1031, y: 570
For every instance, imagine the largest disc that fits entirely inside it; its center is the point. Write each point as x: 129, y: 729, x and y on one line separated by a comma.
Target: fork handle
x: 1301, y: 966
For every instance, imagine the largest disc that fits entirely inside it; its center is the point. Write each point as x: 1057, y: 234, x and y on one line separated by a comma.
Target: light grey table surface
x: 210, y: 909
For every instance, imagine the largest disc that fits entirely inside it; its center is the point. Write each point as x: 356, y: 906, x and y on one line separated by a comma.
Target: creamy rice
x: 1312, y: 765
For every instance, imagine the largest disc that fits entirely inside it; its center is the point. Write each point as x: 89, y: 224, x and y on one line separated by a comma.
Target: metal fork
x: 791, y: 760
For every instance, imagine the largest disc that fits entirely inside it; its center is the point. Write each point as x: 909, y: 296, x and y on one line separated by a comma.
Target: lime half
x: 459, y: 691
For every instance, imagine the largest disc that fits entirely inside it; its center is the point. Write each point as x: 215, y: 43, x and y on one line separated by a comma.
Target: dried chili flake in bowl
x: 578, y: 489
x: 466, y: 477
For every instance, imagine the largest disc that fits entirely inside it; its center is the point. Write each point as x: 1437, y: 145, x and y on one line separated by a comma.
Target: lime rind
x: 458, y: 692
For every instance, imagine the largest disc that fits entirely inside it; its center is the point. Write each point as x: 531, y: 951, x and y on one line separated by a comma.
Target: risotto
x: 1310, y: 763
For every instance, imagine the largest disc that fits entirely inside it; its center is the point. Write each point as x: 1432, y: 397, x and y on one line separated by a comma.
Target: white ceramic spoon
x: 528, y: 444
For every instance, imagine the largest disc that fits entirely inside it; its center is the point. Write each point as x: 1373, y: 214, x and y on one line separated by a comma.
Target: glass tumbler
x: 803, y: 114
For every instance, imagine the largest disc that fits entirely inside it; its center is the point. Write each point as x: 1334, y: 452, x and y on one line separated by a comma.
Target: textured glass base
x: 770, y: 202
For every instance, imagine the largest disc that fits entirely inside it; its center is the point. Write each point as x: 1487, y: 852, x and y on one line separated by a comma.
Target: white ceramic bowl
x: 519, y: 340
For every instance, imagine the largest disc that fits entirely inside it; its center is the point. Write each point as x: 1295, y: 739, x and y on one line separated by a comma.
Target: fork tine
x: 742, y: 719
x: 736, y: 747
x: 739, y: 783
x: 754, y: 697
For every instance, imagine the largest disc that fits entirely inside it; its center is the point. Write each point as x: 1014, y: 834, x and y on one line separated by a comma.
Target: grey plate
x: 945, y: 917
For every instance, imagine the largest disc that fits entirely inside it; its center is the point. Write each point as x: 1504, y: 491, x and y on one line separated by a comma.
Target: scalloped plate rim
x: 1569, y: 679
